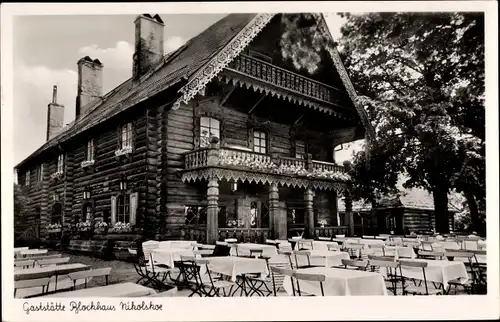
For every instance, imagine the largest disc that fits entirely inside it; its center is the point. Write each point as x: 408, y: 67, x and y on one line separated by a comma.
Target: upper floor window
x: 259, y: 142
x: 89, y: 152
x: 208, y: 127
x: 27, y: 179
x: 40, y: 172
x: 300, y: 149
x: 60, y: 163
x: 126, y: 134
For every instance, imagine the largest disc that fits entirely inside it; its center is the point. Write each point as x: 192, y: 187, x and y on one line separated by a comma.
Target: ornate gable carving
x: 224, y: 57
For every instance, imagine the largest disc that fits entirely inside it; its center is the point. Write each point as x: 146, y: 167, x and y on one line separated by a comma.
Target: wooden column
x: 349, y: 219
x: 277, y: 224
x: 309, y: 213
x: 212, y: 210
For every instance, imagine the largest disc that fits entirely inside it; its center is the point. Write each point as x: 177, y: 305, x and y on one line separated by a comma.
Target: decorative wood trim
x: 339, y: 66
x: 244, y: 81
x: 214, y: 66
x: 262, y: 178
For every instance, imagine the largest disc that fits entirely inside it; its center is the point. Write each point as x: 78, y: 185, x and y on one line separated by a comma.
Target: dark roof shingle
x: 177, y: 66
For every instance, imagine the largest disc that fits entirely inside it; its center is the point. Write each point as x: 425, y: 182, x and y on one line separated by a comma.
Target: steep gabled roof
x: 176, y: 67
x: 193, y: 65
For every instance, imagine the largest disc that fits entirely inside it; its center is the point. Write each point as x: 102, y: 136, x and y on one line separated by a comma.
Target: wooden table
x: 48, y: 271
x: 343, y: 282
x: 127, y: 289
x: 246, y: 248
x: 32, y: 252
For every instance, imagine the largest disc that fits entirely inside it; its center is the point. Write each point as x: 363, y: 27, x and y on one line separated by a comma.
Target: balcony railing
x: 283, y: 78
x: 331, y: 231
x: 257, y: 162
x: 245, y: 235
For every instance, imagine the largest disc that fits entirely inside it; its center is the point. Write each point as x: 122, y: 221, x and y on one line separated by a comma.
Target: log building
x: 224, y: 137
x: 411, y: 210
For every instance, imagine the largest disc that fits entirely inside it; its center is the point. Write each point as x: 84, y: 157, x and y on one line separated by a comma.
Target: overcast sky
x: 46, y: 49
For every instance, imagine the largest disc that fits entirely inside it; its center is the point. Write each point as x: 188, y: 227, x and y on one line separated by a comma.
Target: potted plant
x: 322, y: 223
x: 54, y: 228
x: 121, y: 228
x: 100, y: 228
x: 84, y: 229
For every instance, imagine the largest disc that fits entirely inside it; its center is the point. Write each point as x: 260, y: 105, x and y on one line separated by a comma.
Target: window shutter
x: 134, y: 197
x: 113, y: 210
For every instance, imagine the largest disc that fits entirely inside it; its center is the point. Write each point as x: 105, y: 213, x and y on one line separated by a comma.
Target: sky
x: 46, y: 49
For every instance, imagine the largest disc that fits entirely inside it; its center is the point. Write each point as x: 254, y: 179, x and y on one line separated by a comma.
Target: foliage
x: 303, y: 41
x: 421, y: 77
x: 21, y: 200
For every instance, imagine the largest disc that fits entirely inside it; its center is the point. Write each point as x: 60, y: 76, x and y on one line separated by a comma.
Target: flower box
x: 124, y: 151
x: 87, y: 163
x: 83, y: 226
x: 56, y: 175
x: 121, y: 228
x: 54, y: 228
x: 100, y: 228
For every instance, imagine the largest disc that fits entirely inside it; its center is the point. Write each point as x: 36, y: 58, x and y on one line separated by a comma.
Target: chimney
x: 148, y: 44
x: 89, y: 83
x: 55, y: 116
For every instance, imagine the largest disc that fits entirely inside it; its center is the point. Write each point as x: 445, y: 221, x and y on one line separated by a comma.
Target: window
x: 195, y: 215
x: 60, y: 163
x: 89, y: 153
x: 300, y: 149
x: 208, y: 127
x: 27, y: 179
x: 56, y: 214
x: 259, y: 142
x: 123, y: 214
x: 40, y: 172
x: 125, y: 136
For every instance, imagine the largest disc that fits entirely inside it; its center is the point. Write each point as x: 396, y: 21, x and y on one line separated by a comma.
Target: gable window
x: 300, y: 149
x: 125, y: 136
x: 89, y: 152
x: 40, y: 172
x: 208, y: 127
x: 259, y: 142
x: 27, y: 179
x: 60, y: 163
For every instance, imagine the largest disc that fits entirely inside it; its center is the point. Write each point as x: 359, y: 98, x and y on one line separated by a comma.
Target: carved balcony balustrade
x: 242, y: 165
x: 248, y: 71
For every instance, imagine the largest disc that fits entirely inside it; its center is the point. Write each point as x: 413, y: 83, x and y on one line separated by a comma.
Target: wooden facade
x: 266, y: 169
x: 413, y: 211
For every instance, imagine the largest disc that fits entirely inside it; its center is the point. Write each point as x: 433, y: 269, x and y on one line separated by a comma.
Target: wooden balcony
x: 266, y: 165
x: 284, y: 79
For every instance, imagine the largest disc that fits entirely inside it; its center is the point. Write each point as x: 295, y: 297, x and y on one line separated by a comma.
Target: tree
x: 422, y: 77
x: 21, y: 200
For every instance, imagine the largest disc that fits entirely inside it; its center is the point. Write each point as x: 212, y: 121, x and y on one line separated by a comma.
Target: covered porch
x: 253, y: 197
